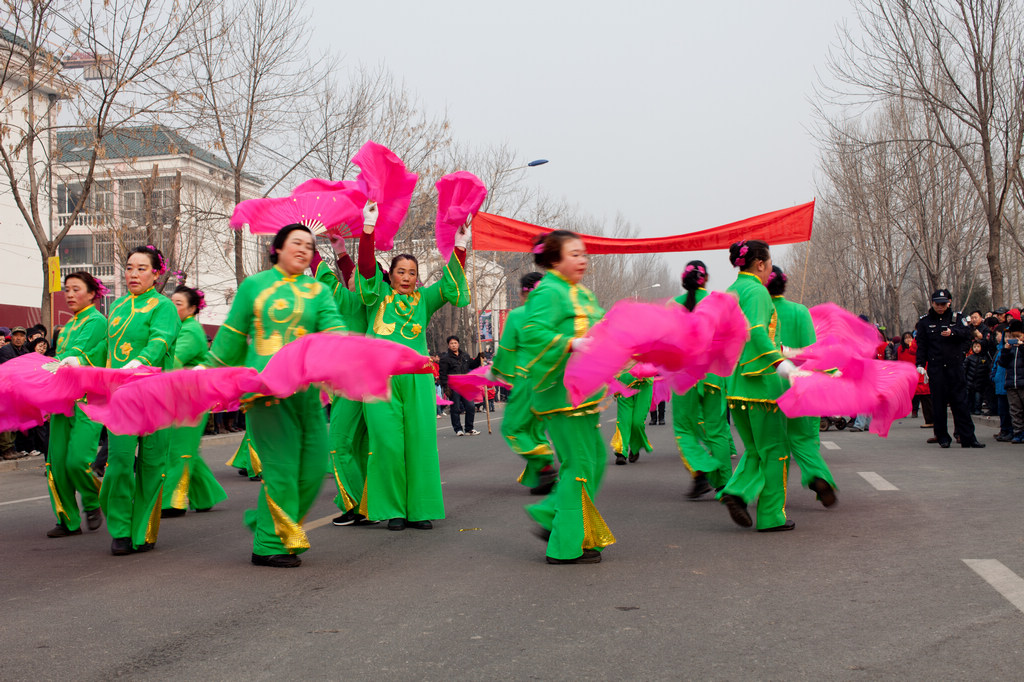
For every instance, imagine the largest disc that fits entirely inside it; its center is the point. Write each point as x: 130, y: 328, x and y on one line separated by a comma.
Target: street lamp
x: 636, y: 292
x: 532, y: 164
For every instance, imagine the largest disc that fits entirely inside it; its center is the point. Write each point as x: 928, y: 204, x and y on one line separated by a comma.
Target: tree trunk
x: 995, y: 268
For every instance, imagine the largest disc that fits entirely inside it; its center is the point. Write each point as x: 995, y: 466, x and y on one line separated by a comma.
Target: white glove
x: 199, y: 367
x: 920, y: 370
x: 132, y: 364
x: 70, y: 361
x: 580, y: 344
x: 337, y: 243
x: 785, y: 369
x: 370, y: 214
x: 462, y: 237
x: 788, y: 352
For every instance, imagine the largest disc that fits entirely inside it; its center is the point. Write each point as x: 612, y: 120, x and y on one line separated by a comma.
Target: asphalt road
x: 878, y: 587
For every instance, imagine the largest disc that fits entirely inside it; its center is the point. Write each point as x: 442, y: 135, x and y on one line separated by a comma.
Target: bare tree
x: 961, y: 62
x: 126, y: 48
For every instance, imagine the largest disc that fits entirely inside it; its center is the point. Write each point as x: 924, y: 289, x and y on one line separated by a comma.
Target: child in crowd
x: 1012, y: 361
x: 976, y: 370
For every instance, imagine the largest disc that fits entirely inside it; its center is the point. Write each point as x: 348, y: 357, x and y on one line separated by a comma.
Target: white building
x: 154, y: 187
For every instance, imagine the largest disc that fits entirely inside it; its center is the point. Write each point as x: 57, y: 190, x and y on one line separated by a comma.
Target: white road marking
x: 27, y: 499
x: 313, y: 525
x: 477, y: 423
x: 877, y: 481
x: 1005, y: 581
x: 830, y: 445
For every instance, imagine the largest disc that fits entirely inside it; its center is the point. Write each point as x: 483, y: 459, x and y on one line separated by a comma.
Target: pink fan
x: 362, y: 370
x: 319, y: 211
x: 835, y: 326
x: 470, y: 386
x: 352, y: 224
x: 383, y: 179
x: 441, y: 400
x: 662, y: 392
x: 177, y: 398
x: 459, y: 195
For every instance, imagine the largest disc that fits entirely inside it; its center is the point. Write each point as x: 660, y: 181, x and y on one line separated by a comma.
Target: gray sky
x: 679, y: 115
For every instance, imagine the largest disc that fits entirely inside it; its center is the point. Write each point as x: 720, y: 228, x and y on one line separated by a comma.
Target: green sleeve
x: 90, y: 344
x: 508, y: 346
x: 544, y: 347
x: 326, y: 276
x: 451, y: 288
x: 327, y: 318
x: 232, y: 341
x: 190, y: 350
x: 163, y: 332
x: 803, y: 327
x: 370, y: 291
x: 760, y: 354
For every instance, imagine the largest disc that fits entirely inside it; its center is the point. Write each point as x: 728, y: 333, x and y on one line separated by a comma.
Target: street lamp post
x: 636, y: 292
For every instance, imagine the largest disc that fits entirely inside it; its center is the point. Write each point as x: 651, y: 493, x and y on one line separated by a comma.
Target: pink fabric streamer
x: 364, y: 374
x: 470, y: 386
x: 662, y: 392
x: 352, y: 222
x: 884, y: 390
x: 178, y: 398
x: 441, y: 400
x: 33, y: 387
x: 384, y: 179
x: 836, y: 327
x: 683, y: 345
x: 268, y: 215
x: 459, y: 195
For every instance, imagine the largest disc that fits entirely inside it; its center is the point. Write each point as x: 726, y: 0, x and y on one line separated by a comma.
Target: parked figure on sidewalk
x: 941, y: 339
x: 74, y: 440
x: 456, y: 361
x: 1012, y: 360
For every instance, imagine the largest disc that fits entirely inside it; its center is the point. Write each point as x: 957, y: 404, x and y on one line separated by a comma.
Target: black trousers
x: 459, y: 405
x: 948, y: 387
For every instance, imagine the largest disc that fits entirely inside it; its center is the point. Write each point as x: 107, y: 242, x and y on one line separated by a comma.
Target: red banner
x: 787, y: 226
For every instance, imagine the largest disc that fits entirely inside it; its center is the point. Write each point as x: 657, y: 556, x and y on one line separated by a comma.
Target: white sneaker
x: 459, y: 433
x: 473, y: 432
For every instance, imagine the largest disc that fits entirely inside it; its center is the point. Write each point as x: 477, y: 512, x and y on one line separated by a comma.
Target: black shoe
x: 349, y: 518
x: 145, y: 547
x: 826, y: 493
x: 203, y: 510
x: 633, y: 456
x: 420, y: 525
x: 619, y: 459
x: 590, y: 556
x: 654, y: 422
x: 700, y: 486
x: 257, y: 477
x: 737, y: 510
x: 171, y: 512
x: 243, y: 472
x: 790, y: 524
x: 546, y: 485
x: 1004, y: 437
x: 396, y: 524
x: 93, y: 518
x: 661, y: 422
x: 61, y: 531
x: 975, y: 444
x: 277, y: 560
x: 945, y: 444
x: 121, y: 546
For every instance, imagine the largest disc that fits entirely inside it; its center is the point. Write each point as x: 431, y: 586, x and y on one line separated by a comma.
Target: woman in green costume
x: 699, y: 415
x: 347, y: 434
x: 74, y: 440
x: 558, y: 313
x: 141, y: 331
x: 752, y: 391
x: 288, y: 435
x: 631, y: 418
x: 403, y: 475
x: 796, y: 330
x: 190, y: 483
x: 523, y: 432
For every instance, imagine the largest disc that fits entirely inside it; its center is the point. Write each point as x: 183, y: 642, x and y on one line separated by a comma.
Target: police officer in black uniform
x: 942, y: 339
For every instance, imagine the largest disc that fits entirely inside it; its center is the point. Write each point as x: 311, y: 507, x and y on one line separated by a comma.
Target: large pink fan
x: 327, y: 210
x: 32, y: 386
x: 384, y: 179
x: 177, y: 398
x: 356, y: 367
x: 834, y: 326
x: 881, y: 389
x: 459, y: 195
x: 352, y: 223
x: 471, y: 386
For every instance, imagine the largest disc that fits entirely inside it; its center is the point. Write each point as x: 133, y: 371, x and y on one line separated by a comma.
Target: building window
x: 76, y: 249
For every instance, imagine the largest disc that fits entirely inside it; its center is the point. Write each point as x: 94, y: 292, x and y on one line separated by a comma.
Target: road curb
x: 24, y: 463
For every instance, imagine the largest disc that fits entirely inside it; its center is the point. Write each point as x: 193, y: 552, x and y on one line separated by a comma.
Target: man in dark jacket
x: 942, y: 338
x: 454, y: 361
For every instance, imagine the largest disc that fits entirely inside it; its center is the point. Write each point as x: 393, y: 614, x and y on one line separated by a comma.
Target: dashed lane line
x: 1005, y: 581
x: 877, y: 481
x: 830, y: 445
x: 27, y: 499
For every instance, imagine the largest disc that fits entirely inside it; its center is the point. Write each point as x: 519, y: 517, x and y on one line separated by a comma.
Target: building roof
x: 75, y: 146
x: 11, y: 37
